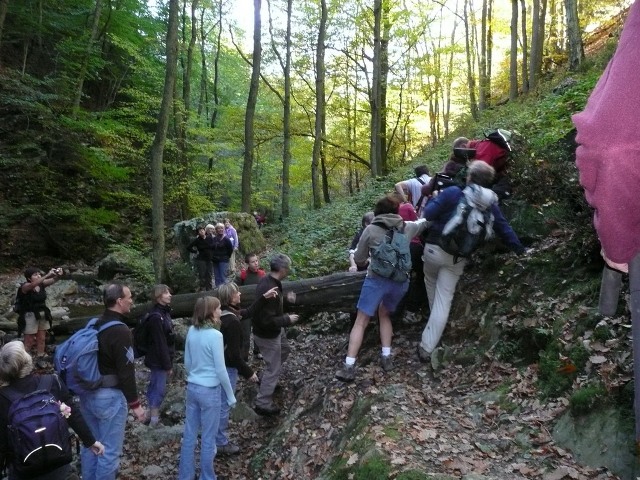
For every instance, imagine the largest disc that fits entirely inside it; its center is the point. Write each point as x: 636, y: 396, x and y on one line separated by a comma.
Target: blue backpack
x: 76, y: 360
x: 38, y: 434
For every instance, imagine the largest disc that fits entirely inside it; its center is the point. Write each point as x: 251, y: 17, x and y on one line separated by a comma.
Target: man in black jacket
x: 269, y: 334
x: 105, y: 409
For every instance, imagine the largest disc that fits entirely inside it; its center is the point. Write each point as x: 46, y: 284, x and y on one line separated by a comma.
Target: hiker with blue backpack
x: 36, y: 412
x: 97, y: 365
x: 460, y: 221
x: 385, y: 244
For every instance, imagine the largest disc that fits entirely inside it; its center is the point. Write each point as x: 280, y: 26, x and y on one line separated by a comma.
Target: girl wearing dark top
x: 229, y: 296
x: 34, y: 311
x: 16, y: 367
x: 159, y: 357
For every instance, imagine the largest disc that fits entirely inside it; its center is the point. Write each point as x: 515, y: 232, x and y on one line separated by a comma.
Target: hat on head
x: 28, y: 273
x: 209, y: 226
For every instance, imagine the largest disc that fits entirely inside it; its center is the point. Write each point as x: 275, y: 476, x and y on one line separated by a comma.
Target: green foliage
x: 589, y: 397
x: 137, y: 261
x: 376, y: 467
x: 554, y: 377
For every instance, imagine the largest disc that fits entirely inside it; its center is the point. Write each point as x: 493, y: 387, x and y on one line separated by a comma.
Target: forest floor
x: 481, y: 421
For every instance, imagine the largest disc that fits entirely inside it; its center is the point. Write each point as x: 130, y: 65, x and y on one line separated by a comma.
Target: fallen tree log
x: 331, y: 293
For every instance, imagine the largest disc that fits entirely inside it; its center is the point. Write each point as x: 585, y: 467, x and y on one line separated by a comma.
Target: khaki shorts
x: 32, y: 325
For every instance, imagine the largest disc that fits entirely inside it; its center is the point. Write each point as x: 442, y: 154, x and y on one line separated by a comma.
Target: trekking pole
x: 609, y: 291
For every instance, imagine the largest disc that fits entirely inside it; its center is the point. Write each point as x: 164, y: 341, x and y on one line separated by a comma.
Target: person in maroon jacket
x: 607, y: 158
x: 105, y: 409
x: 250, y: 275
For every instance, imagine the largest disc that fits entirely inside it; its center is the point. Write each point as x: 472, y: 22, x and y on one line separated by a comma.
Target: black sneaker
x: 347, y: 373
x: 386, y: 362
x: 423, y: 355
x: 228, y: 449
x: 267, y: 411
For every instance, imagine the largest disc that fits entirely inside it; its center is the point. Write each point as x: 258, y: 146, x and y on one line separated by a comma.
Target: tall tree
x: 285, y: 65
x: 375, y: 94
x: 575, y: 46
x: 483, y: 92
x: 216, y: 68
x: 84, y: 66
x: 286, y: 124
x: 4, y: 5
x: 525, y: 49
x: 471, y: 78
x: 157, y: 147
x: 537, y: 41
x: 320, y: 107
x: 252, y: 99
x: 513, y: 68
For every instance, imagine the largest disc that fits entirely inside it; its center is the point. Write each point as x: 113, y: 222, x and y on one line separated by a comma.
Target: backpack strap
x: 45, y: 382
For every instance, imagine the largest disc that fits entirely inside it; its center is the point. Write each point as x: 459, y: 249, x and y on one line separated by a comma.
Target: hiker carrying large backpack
x: 36, y: 412
x: 105, y: 408
x: 443, y: 261
x: 34, y: 317
x: 386, y: 241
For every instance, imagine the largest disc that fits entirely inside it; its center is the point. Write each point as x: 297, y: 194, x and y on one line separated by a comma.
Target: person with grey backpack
x: 385, y: 243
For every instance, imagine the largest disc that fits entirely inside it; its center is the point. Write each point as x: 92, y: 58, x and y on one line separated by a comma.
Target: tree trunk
x: 384, y: 72
x: 575, y: 46
x: 374, y: 94
x: 216, y: 69
x: 537, y: 41
x: 4, y: 4
x: 513, y: 74
x: 482, y: 64
x: 247, y: 167
x: 157, y: 148
x: 320, y: 107
x: 332, y: 293
x: 525, y: 61
x: 203, y: 98
x: 473, y: 105
x: 85, y: 61
x: 286, y: 124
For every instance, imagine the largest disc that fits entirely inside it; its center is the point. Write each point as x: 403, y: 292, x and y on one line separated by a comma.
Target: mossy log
x: 331, y: 293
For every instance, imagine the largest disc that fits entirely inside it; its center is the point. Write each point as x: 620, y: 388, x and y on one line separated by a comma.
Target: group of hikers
x: 440, y: 220
x: 218, y: 340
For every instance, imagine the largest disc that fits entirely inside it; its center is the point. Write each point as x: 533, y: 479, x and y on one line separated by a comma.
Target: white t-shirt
x: 415, y: 187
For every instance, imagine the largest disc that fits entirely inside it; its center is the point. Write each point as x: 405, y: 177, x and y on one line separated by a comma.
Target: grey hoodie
x: 373, y: 234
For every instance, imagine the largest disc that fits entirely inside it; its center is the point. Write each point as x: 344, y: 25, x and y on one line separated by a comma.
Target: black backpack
x: 38, y: 433
x: 141, y: 341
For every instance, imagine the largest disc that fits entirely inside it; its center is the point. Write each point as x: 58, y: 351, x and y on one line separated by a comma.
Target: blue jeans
x: 220, y: 272
x: 221, y: 437
x: 105, y: 411
x: 203, y: 413
x: 157, y: 387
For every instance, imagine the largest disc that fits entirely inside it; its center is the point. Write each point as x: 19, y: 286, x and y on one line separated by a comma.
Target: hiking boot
x: 270, y: 411
x: 228, y: 449
x: 347, y: 373
x: 437, y: 359
x: 386, y: 362
x: 423, y: 355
